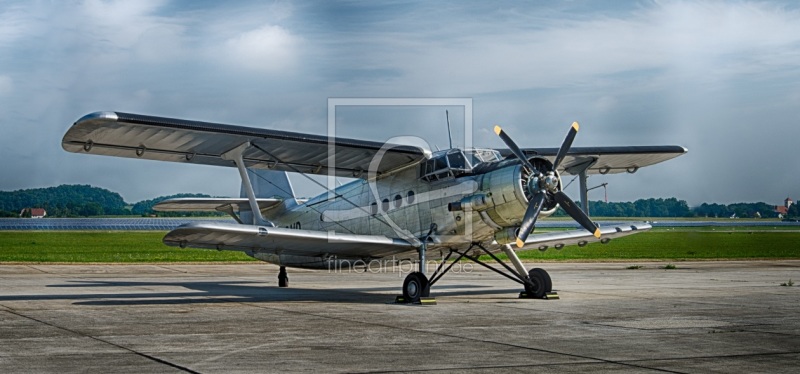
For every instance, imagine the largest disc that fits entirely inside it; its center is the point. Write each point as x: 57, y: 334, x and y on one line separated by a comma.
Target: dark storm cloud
x: 720, y: 78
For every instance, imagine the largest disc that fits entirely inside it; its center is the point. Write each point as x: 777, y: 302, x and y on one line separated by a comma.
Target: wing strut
x: 235, y: 155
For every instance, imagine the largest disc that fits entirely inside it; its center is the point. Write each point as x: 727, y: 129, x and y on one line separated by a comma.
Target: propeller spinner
x: 543, y: 184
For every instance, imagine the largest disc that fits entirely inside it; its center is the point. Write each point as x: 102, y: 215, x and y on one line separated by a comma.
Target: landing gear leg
x: 416, y: 286
x: 538, y: 283
x: 283, y: 278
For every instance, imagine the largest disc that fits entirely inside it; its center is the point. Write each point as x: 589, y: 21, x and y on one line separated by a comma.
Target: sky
x: 721, y: 78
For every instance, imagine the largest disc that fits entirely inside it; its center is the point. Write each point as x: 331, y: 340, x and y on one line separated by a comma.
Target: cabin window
x: 385, y: 205
x: 398, y: 201
x: 373, y: 208
x: 410, y: 197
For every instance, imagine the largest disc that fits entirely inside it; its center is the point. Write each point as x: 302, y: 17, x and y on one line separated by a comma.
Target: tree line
x: 674, y: 208
x: 81, y: 201
x: 86, y: 201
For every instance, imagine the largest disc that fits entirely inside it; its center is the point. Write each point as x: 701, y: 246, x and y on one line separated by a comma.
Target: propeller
x: 543, y: 184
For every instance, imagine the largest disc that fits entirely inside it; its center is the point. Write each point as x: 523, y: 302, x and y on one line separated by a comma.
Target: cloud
x: 6, y: 85
x: 693, y: 40
x: 120, y: 22
x: 717, y: 77
x: 12, y: 24
x: 268, y: 48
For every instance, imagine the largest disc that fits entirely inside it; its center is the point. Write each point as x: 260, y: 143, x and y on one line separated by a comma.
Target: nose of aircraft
x: 543, y: 183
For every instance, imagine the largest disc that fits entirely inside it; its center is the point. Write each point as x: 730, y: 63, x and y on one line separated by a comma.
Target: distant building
x: 784, y: 210
x: 35, y: 212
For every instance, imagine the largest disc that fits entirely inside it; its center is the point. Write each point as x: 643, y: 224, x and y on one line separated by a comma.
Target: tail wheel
x: 415, y: 286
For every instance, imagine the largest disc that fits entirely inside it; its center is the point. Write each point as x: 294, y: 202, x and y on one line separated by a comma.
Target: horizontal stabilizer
x: 212, y: 204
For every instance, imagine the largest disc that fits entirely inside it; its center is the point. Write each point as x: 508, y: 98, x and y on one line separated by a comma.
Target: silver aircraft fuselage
x: 478, y: 204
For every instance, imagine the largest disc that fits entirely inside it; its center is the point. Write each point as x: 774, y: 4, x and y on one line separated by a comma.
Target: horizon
x: 300, y: 197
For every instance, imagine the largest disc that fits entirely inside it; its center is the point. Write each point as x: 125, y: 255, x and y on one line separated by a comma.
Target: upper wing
x: 581, y: 237
x: 607, y: 160
x: 223, y: 236
x: 168, y: 139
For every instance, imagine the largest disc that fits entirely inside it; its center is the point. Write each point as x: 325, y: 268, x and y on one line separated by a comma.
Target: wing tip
x: 103, y: 115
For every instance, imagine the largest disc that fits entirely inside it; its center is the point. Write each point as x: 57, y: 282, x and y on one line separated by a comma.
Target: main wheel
x: 547, y: 281
x: 538, y: 283
x: 415, y: 286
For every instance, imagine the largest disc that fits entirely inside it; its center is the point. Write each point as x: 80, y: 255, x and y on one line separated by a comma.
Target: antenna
x: 450, y: 137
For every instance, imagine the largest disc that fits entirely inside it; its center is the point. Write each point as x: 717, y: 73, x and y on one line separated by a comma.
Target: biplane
x: 404, y: 203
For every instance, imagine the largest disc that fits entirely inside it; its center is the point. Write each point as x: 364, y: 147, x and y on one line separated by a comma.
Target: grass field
x: 681, y: 245
x: 139, y: 247
x: 90, y: 246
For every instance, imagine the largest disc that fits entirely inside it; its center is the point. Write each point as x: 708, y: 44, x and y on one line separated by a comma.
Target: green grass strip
x: 683, y: 245
x: 89, y: 246
x: 143, y: 247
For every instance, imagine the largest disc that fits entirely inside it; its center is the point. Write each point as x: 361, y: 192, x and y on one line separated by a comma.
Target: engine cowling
x: 505, y: 191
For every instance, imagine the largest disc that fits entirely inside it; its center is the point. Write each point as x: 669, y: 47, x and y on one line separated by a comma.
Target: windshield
x: 455, y: 162
x: 477, y: 156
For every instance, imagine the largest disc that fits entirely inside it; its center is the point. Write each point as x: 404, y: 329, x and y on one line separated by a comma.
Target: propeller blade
x: 576, y: 213
x: 531, y: 214
x: 562, y: 152
x: 513, y: 147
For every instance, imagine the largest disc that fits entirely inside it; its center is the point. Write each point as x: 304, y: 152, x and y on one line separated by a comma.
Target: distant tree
x: 64, y: 200
x: 91, y: 209
x: 794, y: 211
x: 670, y: 207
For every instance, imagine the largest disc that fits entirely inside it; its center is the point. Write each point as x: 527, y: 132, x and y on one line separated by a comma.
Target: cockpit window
x: 477, y: 156
x: 439, y: 163
x: 453, y: 163
x: 457, y: 161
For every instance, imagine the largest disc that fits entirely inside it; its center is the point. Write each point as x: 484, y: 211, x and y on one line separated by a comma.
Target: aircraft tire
x: 547, y: 281
x: 283, y: 277
x: 415, y: 286
x: 537, y: 283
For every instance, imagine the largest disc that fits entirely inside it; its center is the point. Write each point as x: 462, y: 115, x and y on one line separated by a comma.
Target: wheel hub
x: 412, y: 288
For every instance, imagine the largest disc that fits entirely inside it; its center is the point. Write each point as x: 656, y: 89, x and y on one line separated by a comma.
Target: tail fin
x: 266, y: 184
x: 269, y: 184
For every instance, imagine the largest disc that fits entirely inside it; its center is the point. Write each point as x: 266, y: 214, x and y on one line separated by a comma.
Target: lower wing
x: 283, y: 241
x: 311, y: 243
x: 581, y: 237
